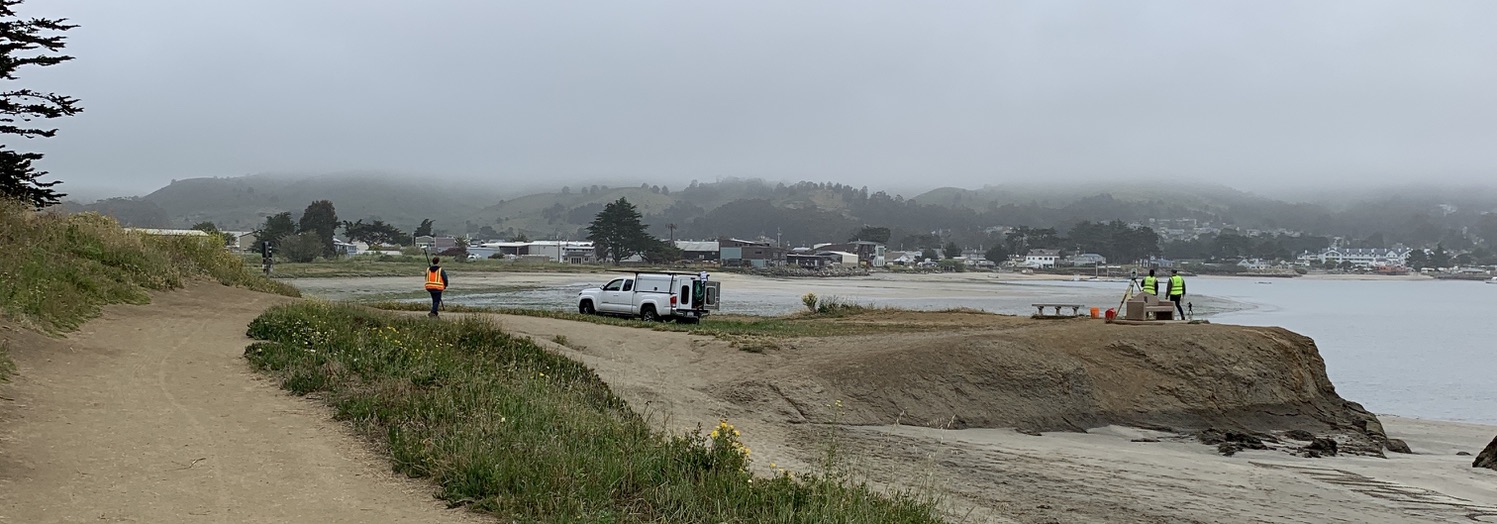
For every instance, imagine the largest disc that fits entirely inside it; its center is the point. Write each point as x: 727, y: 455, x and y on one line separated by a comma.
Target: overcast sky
x: 1253, y: 94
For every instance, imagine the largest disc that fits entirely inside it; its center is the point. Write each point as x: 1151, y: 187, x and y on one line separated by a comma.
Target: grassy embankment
x: 510, y: 429
x: 57, y: 271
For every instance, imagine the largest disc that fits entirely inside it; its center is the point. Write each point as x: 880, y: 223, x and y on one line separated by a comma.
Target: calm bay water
x: 1413, y: 348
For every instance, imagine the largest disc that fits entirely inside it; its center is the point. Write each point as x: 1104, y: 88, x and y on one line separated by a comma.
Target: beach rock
x: 1228, y: 443
x: 1145, y: 440
x: 1320, y: 447
x: 1215, y: 436
x: 1299, y: 434
x: 1399, y: 446
x: 1487, y: 458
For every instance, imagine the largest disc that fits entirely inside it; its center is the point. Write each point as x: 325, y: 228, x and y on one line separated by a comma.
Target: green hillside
x: 1193, y: 196
x: 544, y: 214
x: 242, y: 203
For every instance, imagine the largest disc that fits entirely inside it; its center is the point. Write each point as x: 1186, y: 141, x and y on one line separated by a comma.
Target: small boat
x: 1492, y: 280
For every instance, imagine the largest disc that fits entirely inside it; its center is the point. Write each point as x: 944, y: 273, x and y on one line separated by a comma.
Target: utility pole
x: 672, y: 227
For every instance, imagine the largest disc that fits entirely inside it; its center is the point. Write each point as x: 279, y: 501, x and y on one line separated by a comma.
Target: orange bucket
x: 1096, y: 312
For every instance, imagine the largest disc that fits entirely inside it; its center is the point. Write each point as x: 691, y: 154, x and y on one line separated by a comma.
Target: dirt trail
x: 150, y: 414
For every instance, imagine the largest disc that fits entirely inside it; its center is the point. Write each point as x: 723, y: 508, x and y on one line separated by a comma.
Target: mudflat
x: 150, y: 414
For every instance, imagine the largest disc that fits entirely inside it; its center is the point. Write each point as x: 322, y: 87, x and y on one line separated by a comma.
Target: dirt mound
x: 1067, y: 376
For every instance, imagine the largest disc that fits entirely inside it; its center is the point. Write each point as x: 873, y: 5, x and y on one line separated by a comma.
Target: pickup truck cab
x: 685, y: 297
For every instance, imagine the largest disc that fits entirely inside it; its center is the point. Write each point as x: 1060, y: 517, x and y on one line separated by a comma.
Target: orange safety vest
x: 434, y: 280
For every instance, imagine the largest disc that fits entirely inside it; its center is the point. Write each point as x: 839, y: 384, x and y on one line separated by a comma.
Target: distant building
x: 569, y: 252
x: 699, y: 251
x: 1042, y: 258
x: 902, y: 258
x: 1254, y: 263
x: 749, y: 253
x: 1397, y: 255
x: 1088, y: 259
x: 811, y: 259
x: 841, y: 258
x: 245, y: 242
x: 872, y: 254
x: 345, y: 248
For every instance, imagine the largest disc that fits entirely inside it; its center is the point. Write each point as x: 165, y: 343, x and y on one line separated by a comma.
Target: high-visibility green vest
x: 1151, y: 285
x: 1177, y: 285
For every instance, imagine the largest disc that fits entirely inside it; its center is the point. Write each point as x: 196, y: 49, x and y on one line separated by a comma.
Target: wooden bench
x: 1075, y: 309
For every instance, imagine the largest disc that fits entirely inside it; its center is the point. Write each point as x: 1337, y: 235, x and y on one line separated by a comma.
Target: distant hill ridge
x: 798, y: 213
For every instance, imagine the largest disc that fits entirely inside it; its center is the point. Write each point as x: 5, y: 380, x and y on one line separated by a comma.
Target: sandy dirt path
x: 150, y: 414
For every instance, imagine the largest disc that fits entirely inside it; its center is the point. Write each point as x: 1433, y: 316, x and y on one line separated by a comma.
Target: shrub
x: 810, y: 301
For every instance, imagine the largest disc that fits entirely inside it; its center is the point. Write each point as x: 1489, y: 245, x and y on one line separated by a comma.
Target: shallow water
x: 1415, y: 348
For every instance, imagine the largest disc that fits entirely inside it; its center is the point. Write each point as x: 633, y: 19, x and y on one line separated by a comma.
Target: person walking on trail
x: 436, y: 282
x: 1177, y: 291
x: 1151, y: 284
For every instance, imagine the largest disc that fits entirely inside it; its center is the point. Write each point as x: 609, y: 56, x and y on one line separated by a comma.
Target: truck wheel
x: 648, y: 314
x: 586, y: 308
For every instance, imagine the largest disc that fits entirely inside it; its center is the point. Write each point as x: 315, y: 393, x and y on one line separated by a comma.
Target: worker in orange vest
x: 436, y: 282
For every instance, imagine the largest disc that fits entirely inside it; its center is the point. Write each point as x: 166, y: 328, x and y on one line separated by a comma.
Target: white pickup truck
x: 684, y: 297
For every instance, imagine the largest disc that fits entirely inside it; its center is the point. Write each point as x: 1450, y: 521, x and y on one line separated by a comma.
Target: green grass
x: 724, y: 327
x: 57, y: 271
x: 507, y: 428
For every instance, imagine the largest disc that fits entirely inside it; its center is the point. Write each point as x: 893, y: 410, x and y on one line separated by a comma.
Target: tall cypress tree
x: 27, y: 42
x: 618, y: 232
x: 321, y: 220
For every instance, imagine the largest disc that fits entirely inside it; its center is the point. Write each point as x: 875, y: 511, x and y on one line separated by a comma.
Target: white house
x: 1253, y: 263
x: 1397, y: 255
x: 1041, y: 258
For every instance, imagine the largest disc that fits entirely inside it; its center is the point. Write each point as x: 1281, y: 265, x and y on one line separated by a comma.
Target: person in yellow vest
x: 1177, y: 291
x: 1151, y: 284
x: 436, y: 282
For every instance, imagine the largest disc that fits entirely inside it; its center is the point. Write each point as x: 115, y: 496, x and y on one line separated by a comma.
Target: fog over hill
x: 1267, y: 96
x: 803, y: 213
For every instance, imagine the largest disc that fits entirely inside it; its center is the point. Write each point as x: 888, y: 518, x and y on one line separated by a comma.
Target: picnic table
x: 1075, y: 308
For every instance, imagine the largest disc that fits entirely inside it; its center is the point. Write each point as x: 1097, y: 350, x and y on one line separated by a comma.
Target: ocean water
x: 1412, y: 348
